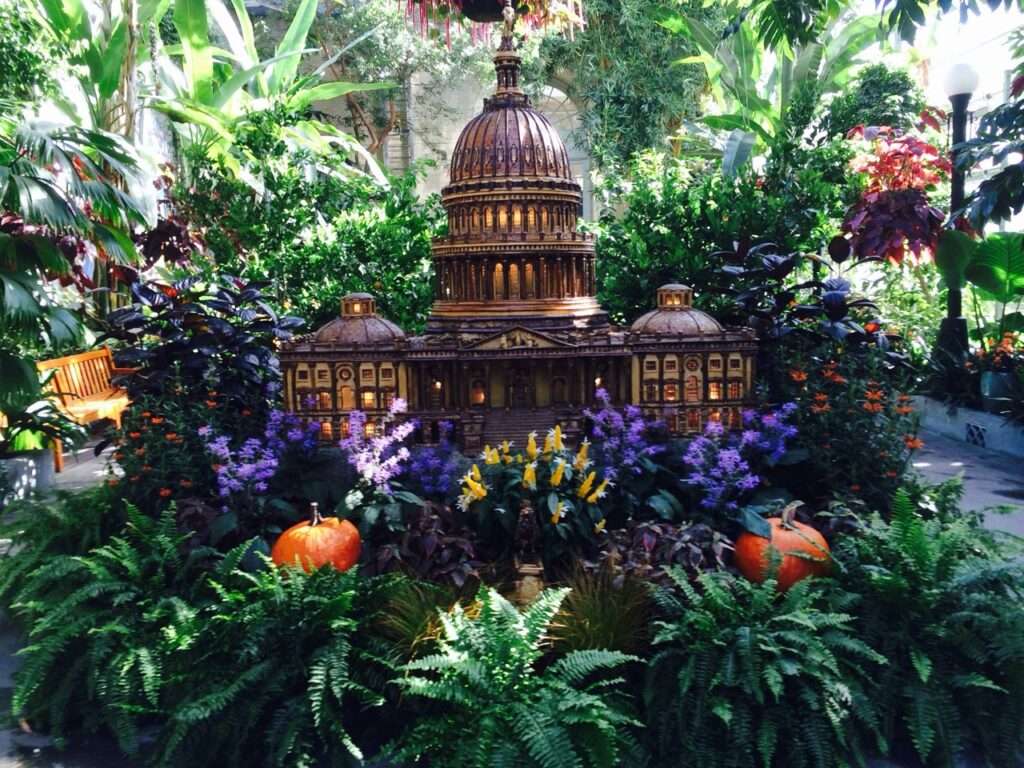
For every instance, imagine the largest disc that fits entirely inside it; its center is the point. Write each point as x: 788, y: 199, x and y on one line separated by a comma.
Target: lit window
x: 650, y: 365
x: 324, y: 401
x: 346, y: 429
x: 714, y: 415
x: 369, y: 429
x: 693, y: 420
x: 715, y: 390
x: 735, y: 390
x: 693, y: 390
x: 478, y: 396
x: 389, y: 398
x: 367, y: 374
x: 671, y: 392
x: 369, y: 399
x: 326, y: 430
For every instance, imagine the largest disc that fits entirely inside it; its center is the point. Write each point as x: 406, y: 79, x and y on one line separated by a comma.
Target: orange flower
x: 821, y: 408
x: 246, y: 412
x: 903, y: 410
x: 872, y: 327
x: 134, y: 435
x: 171, y: 436
x: 821, y: 397
x: 904, y: 397
x: 797, y: 375
x: 211, y: 403
x: 165, y: 492
x: 874, y: 394
x: 873, y: 407
x: 157, y: 420
x: 913, y: 442
x: 146, y: 414
x: 892, y: 473
x: 112, y: 482
x: 119, y: 456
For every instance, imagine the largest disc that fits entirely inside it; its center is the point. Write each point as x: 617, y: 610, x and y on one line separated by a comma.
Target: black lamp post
x: 960, y: 83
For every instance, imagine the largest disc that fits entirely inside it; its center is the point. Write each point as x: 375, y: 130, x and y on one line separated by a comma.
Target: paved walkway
x: 990, y: 480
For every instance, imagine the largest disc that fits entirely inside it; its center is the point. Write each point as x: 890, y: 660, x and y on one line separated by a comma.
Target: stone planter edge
x: 986, y: 430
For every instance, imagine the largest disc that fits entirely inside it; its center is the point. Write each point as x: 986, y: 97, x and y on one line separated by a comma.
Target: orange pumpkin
x: 803, y: 551
x: 316, y: 542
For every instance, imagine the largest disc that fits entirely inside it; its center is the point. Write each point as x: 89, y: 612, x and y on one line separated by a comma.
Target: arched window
x: 324, y: 401
x: 531, y: 219
x: 651, y: 393
x: 544, y: 219
x: 513, y: 281
x: 475, y: 215
x: 502, y: 219
x: 488, y: 218
x: 499, y: 281
x: 529, y: 283
x: 478, y: 393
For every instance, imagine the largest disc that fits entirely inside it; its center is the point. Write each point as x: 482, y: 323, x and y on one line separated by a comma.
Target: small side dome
x: 675, y: 315
x: 359, y: 323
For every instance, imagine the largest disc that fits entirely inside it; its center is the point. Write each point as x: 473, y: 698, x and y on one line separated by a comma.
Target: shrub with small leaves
x: 744, y: 676
x: 496, y: 706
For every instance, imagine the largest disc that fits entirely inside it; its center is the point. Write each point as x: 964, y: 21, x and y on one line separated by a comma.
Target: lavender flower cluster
x: 720, y: 461
x: 620, y: 438
x: 434, y: 470
x: 250, y: 468
x: 381, y: 458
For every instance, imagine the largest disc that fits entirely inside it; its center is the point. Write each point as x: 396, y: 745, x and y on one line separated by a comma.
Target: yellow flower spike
x: 491, y: 456
x: 519, y: 458
x: 531, y: 446
x: 556, y: 476
x: 530, y: 476
x: 549, y: 443
x: 475, y: 472
x: 556, y: 437
x: 475, y: 489
x: 582, y: 456
x: 586, y: 485
x: 558, y: 514
x: 598, y: 492
x: 599, y: 525
x: 506, y: 447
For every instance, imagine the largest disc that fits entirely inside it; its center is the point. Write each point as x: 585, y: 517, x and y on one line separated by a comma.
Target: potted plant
x: 27, y: 430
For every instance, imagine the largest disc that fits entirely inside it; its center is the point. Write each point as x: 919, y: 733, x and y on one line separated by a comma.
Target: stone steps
x: 516, y: 425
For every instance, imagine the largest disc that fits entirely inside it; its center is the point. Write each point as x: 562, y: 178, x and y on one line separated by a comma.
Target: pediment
x: 519, y: 338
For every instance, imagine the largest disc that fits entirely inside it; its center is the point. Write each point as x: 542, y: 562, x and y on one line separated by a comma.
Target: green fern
x: 943, y: 600
x: 271, y: 673
x: 744, y: 676
x: 496, y: 707
x: 97, y: 651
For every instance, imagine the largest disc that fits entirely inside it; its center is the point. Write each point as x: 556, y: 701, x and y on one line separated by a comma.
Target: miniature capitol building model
x: 516, y: 340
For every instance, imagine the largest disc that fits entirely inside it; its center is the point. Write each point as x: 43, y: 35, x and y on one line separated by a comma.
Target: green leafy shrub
x: 941, y: 599
x: 495, y: 706
x: 878, y: 96
x: 315, y: 236
x: 103, y: 628
x: 271, y: 675
x: 744, y: 676
x: 28, y: 54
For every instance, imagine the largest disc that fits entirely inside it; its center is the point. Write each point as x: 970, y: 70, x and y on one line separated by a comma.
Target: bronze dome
x: 359, y: 323
x: 675, y: 315
x: 510, y: 141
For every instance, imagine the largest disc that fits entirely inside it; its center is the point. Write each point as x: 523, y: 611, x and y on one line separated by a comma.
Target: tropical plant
x: 59, y: 208
x: 190, y: 337
x: 940, y: 598
x: 739, y: 663
x: 210, y: 92
x: 645, y: 550
x: 735, y: 64
x: 28, y: 54
x: 877, y: 96
x: 496, y: 706
x: 996, y: 267
x: 278, y: 672
x: 604, y: 610
x: 623, y: 82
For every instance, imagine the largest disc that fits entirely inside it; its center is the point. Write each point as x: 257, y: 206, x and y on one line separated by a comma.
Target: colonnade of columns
x: 544, y: 277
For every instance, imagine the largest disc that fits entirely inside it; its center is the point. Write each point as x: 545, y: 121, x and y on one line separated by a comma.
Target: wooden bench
x: 82, y: 385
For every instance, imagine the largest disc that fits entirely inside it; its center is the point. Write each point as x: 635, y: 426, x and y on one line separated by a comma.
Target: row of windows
x: 541, y: 220
x: 344, y: 374
x: 368, y: 399
x: 692, y: 391
x: 714, y: 364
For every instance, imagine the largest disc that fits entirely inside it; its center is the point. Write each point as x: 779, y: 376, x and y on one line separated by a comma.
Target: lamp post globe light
x: 961, y: 81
